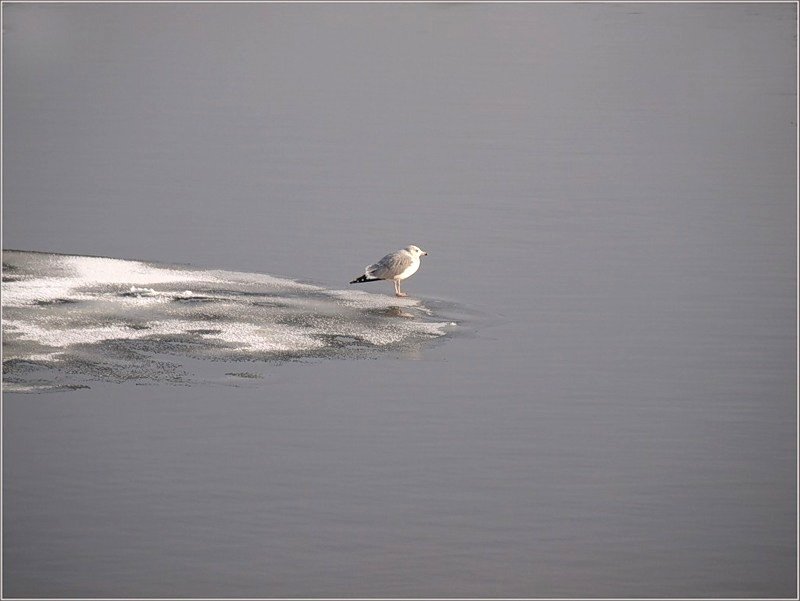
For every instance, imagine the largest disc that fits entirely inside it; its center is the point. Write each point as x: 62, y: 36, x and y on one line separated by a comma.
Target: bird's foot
x: 400, y: 294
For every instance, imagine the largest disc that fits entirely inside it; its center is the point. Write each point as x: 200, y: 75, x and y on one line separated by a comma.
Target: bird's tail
x: 364, y: 278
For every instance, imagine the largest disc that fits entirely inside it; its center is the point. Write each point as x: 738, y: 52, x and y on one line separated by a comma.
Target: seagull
x: 395, y: 266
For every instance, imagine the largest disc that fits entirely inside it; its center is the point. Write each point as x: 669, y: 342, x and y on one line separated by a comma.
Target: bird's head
x: 416, y: 251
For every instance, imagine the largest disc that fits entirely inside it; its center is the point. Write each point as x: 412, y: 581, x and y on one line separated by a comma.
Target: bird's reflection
x: 397, y: 312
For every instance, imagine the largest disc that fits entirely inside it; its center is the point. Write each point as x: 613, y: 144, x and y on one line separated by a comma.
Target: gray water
x: 607, y: 195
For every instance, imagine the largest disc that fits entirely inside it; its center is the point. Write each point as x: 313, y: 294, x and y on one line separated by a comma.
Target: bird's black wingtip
x: 364, y: 278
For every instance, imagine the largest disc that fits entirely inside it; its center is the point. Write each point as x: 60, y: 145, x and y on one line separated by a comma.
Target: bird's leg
x: 397, y: 290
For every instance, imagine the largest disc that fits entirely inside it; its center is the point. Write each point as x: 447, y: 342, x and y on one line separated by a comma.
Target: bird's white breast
x: 409, y: 271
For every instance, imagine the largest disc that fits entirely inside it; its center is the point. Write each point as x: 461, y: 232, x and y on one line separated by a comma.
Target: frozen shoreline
x: 113, y: 319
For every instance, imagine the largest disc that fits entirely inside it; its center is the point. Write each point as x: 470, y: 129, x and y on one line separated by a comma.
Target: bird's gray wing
x: 390, y: 266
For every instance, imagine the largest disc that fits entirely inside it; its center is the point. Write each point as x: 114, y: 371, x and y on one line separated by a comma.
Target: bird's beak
x: 425, y: 253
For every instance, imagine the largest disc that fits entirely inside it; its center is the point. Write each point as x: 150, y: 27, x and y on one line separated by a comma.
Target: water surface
x: 610, y: 186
